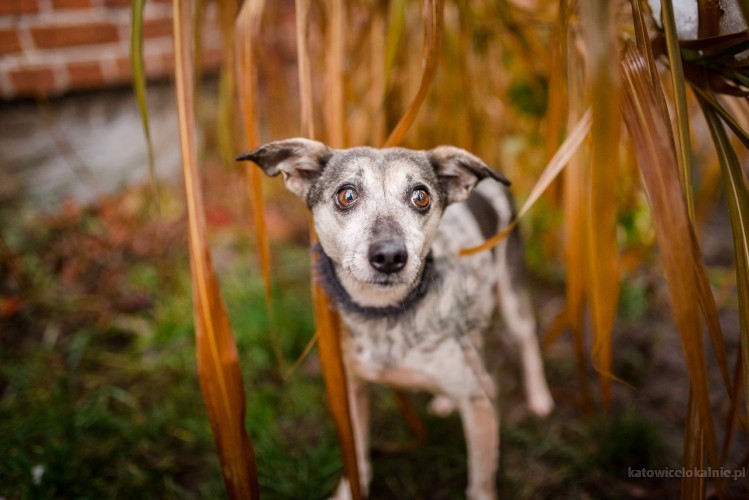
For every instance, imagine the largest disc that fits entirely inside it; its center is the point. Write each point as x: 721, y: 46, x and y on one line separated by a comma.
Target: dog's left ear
x: 459, y: 171
x: 299, y: 160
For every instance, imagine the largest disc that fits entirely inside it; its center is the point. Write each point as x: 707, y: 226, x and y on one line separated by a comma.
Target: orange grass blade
x: 304, y: 71
x: 731, y: 414
x: 218, y: 361
x: 693, y: 488
x: 656, y: 155
x: 247, y: 28
x: 327, y: 321
x: 334, y: 102
x: 558, y: 92
x: 552, y: 170
x: 433, y: 11
x: 329, y: 348
x: 413, y: 420
x: 574, y: 224
x: 705, y: 295
x: 646, y: 49
x: 712, y: 320
x: 600, y: 28
x: 375, y: 103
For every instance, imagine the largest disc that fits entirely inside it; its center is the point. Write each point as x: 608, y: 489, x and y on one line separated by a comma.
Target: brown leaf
x: 656, y: 155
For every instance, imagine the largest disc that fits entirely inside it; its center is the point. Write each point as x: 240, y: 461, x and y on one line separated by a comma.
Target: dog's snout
x: 388, y: 256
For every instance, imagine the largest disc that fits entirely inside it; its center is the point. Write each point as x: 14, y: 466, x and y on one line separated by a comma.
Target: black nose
x: 388, y: 256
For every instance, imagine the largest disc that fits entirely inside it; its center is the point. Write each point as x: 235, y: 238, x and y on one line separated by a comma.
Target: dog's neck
x: 328, y: 278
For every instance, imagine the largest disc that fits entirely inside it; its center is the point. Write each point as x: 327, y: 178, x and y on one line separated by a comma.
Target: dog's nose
x: 388, y: 256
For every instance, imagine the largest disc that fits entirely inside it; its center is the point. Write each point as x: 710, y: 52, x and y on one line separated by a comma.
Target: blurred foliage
x: 98, y: 386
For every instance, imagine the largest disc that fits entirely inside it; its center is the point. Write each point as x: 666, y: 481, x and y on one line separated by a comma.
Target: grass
x: 102, y: 400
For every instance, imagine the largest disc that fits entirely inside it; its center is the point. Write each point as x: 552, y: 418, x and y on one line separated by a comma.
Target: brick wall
x: 50, y: 47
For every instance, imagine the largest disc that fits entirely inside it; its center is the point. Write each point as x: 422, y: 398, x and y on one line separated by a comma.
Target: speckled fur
x: 435, y: 342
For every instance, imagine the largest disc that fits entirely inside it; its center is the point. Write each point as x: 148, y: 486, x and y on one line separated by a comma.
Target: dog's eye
x: 346, y: 197
x: 420, y: 198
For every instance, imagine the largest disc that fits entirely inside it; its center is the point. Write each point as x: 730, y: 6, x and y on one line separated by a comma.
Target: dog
x: 390, y: 223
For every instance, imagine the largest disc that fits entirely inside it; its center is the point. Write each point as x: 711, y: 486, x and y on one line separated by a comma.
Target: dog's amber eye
x: 346, y: 197
x: 420, y: 198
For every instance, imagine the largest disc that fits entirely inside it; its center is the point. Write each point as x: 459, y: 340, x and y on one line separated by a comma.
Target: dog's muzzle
x: 388, y: 256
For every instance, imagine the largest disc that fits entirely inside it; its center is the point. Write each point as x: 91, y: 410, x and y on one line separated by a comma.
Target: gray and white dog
x: 390, y: 224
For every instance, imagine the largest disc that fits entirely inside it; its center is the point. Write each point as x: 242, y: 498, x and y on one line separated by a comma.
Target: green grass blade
x: 227, y: 93
x: 710, y: 100
x: 394, y: 34
x: 138, y: 67
x: 680, y: 94
x: 738, y: 207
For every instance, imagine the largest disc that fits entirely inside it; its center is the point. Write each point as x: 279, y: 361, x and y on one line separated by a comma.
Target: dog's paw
x: 442, y: 406
x: 343, y: 491
x: 541, y: 403
x: 487, y: 493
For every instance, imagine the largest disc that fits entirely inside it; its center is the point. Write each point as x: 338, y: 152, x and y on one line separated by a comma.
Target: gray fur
x: 419, y: 326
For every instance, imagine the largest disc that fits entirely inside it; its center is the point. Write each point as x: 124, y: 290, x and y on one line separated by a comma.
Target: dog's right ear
x: 299, y: 160
x: 459, y: 171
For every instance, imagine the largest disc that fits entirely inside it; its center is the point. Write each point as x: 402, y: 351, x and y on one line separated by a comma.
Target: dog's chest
x: 410, y: 350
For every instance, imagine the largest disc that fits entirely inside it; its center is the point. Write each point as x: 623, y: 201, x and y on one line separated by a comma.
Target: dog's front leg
x: 481, y: 427
x: 358, y: 394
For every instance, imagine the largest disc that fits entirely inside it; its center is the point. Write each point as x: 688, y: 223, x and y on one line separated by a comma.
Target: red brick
x: 9, y: 42
x: 212, y: 59
x: 33, y: 81
x: 124, y: 71
x: 50, y: 37
x: 17, y: 7
x: 85, y: 75
x: 154, y: 65
x: 155, y: 28
x: 167, y: 65
x: 71, y: 4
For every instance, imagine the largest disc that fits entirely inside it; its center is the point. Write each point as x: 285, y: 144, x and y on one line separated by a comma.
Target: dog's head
x: 376, y: 211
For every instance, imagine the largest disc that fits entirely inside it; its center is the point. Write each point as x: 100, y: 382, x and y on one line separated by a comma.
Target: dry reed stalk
x: 218, y: 361
x: 326, y: 319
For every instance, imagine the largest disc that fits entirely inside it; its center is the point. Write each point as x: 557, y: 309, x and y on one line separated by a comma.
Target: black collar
x: 334, y: 288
